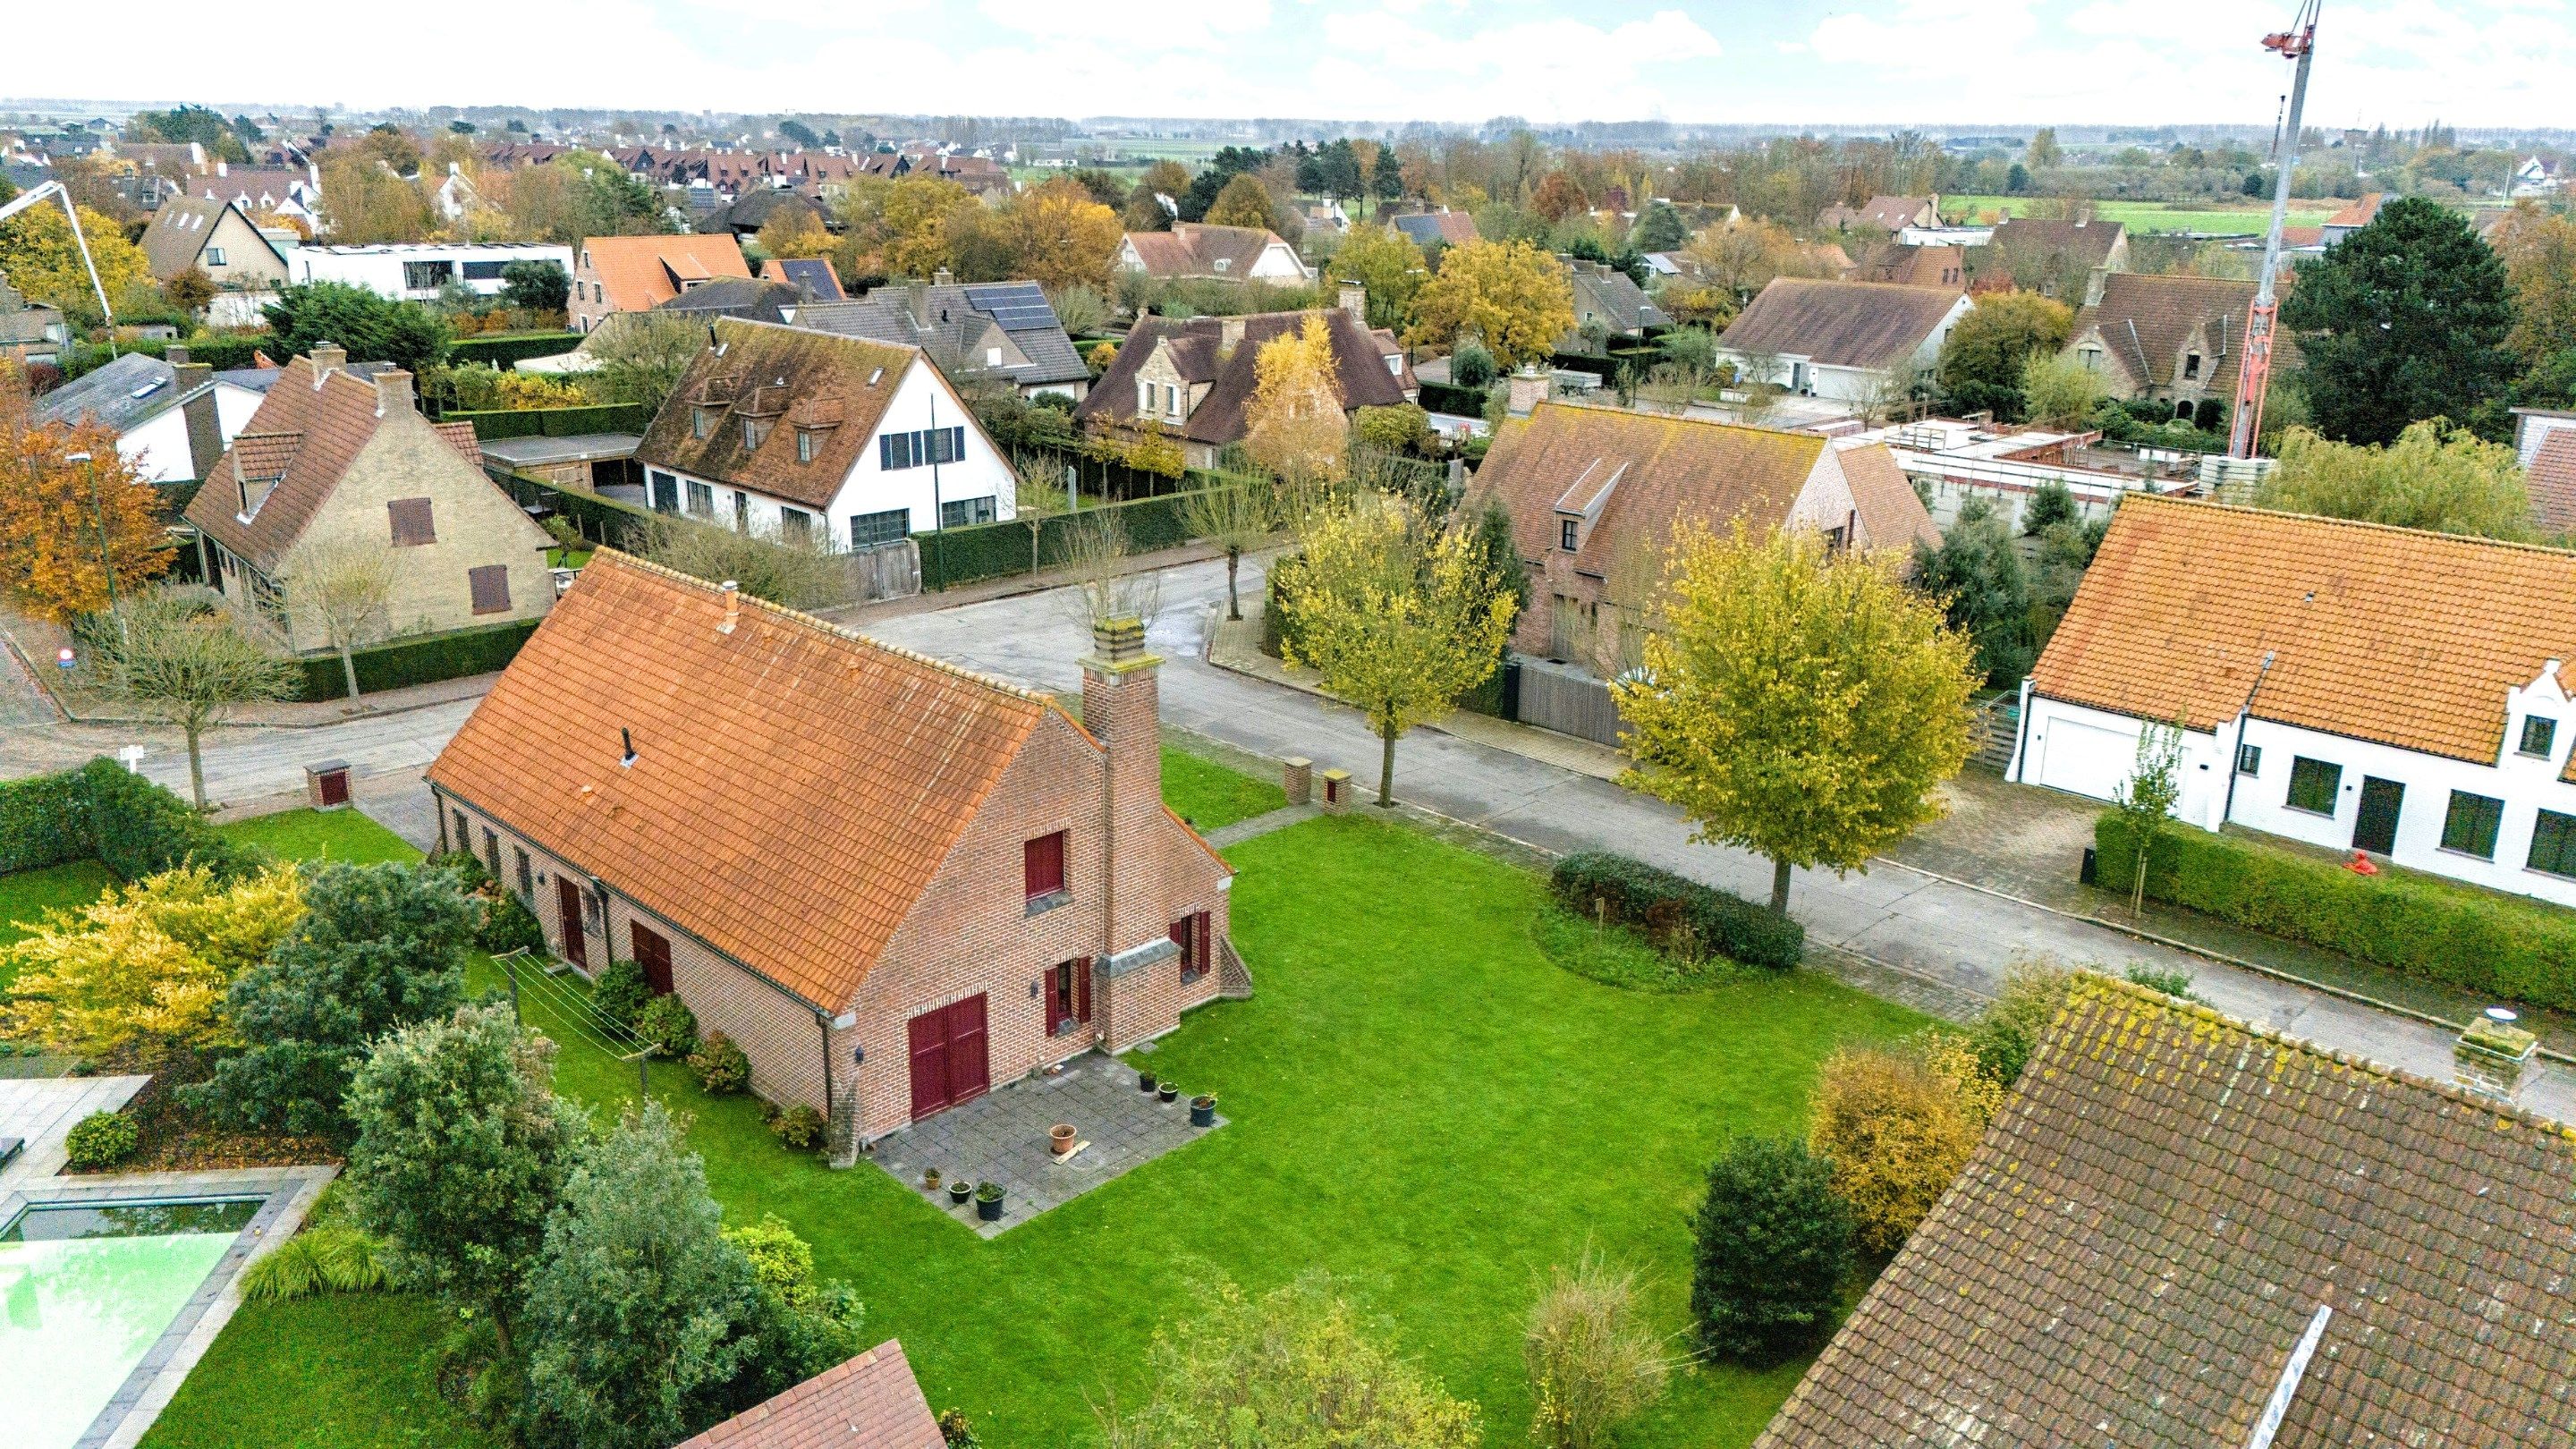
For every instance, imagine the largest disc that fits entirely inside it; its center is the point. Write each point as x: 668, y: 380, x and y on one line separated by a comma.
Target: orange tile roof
x: 2388, y: 634
x: 637, y: 270
x: 1665, y: 469
x: 869, y: 1402
x: 2552, y: 481
x: 795, y: 787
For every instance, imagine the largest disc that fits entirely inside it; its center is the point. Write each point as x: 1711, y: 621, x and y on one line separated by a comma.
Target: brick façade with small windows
x: 896, y: 884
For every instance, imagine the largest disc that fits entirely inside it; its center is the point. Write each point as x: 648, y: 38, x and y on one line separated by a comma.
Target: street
x: 1917, y: 924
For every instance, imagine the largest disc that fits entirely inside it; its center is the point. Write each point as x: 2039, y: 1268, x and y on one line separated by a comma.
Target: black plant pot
x: 959, y: 1192
x: 1145, y: 1082
x: 1169, y: 1093
x: 1203, y: 1111
x: 989, y: 1209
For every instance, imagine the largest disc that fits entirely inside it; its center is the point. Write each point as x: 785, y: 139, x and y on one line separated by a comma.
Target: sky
x: 1885, y: 62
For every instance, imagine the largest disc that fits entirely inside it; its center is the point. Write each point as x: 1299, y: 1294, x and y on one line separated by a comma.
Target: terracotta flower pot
x: 1060, y: 1138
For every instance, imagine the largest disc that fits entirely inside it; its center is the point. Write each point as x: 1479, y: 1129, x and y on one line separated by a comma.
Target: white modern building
x: 416, y: 271
x: 781, y: 430
x: 2357, y: 687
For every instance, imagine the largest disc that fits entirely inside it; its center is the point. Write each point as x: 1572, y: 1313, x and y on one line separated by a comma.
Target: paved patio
x: 43, y: 1111
x: 1002, y: 1137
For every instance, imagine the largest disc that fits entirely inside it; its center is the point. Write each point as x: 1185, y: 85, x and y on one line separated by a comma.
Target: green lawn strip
x: 334, y: 1372
x: 2248, y: 219
x: 1422, y: 1103
x: 26, y: 896
x: 342, y: 835
x: 1210, y: 796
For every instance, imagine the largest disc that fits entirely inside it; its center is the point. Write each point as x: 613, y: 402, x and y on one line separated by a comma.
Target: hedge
x: 1457, y: 402
x: 1662, y: 903
x: 503, y: 351
x: 104, y: 812
x: 222, y: 351
x: 997, y: 550
x: 554, y: 422
x: 2481, y: 941
x: 424, y: 660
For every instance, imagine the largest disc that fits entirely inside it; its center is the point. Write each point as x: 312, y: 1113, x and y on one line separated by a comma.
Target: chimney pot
x: 733, y: 606
x: 328, y: 358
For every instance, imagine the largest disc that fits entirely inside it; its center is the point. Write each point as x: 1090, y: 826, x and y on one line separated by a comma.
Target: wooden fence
x: 1566, y: 699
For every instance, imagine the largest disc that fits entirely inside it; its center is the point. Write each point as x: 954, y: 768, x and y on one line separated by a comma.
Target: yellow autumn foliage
x: 146, y: 966
x: 1898, y: 1125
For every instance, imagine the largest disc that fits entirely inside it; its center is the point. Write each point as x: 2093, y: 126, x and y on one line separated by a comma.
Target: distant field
x: 2160, y: 215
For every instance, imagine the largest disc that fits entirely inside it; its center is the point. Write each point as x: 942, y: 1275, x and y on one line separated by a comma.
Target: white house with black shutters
x: 2401, y: 694
x: 782, y: 430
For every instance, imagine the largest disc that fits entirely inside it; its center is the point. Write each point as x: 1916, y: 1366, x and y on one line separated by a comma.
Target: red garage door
x: 948, y: 1057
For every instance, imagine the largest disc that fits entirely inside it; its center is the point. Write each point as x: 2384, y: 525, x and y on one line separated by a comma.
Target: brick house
x: 612, y: 274
x: 332, y: 456
x: 895, y: 883
x: 1594, y: 496
x: 2171, y: 338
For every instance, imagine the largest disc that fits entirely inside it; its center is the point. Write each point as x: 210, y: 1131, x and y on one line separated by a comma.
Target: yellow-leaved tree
x: 899, y: 227
x: 1059, y: 237
x: 794, y: 231
x: 1293, y: 425
x: 1388, y: 264
x: 1800, y: 702
x: 1400, y: 618
x: 69, y: 523
x: 146, y: 966
x: 42, y: 259
x: 1898, y: 1125
x: 1244, y: 201
x: 1517, y: 298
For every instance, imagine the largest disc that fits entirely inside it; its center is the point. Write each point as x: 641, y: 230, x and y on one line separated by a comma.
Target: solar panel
x: 1017, y: 306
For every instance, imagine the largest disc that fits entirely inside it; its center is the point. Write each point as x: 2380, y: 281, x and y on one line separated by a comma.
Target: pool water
x: 85, y: 1291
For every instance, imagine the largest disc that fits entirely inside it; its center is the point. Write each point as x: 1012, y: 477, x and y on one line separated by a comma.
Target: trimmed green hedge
x: 1663, y: 904
x: 503, y: 351
x: 997, y: 550
x: 425, y: 660
x: 104, y: 812
x: 2459, y: 935
x: 222, y: 351
x: 1457, y: 402
x: 554, y: 422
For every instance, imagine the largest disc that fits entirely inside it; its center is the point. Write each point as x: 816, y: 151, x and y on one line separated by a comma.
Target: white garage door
x: 2086, y: 759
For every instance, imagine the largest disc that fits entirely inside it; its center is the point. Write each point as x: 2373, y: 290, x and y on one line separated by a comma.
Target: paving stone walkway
x: 1002, y: 1137
x: 43, y: 1111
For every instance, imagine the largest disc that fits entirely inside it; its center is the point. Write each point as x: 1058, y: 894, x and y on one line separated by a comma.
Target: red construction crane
x: 2254, y: 372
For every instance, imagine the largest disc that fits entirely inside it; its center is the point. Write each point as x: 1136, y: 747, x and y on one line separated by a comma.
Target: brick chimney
x: 1528, y: 388
x: 205, y: 427
x: 393, y: 392
x: 1355, y: 301
x: 1121, y: 705
x: 328, y: 358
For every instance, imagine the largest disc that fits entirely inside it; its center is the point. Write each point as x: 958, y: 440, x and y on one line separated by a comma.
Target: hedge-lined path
x: 1954, y: 932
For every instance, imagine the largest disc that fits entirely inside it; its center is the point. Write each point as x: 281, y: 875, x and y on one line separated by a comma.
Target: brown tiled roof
x: 1916, y: 266
x: 2395, y: 635
x: 638, y: 271
x: 1197, y: 347
x: 177, y: 235
x: 1438, y: 228
x: 869, y: 1402
x: 2552, y: 481
x: 1891, y: 512
x: 1659, y: 470
x: 1841, y: 324
x: 2150, y: 1225
x: 2359, y: 213
x: 305, y: 438
x: 769, y: 360
x: 795, y: 787
x: 1193, y: 249
x: 2145, y: 320
x: 1892, y: 213
x: 2089, y: 242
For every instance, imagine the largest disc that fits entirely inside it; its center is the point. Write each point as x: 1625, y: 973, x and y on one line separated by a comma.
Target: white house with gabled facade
x: 780, y: 430
x: 2361, y: 688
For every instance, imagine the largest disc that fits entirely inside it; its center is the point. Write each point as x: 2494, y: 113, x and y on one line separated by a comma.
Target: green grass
x: 2247, y: 219
x: 1209, y: 795
x: 30, y: 893
x: 319, y: 1373
x: 1615, y: 955
x: 343, y: 835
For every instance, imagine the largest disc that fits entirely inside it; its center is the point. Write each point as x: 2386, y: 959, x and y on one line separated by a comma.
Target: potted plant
x: 988, y: 1202
x: 1203, y: 1110
x: 1060, y: 1138
x: 1145, y: 1082
x: 1169, y: 1093
x: 959, y: 1191
x: 930, y: 1179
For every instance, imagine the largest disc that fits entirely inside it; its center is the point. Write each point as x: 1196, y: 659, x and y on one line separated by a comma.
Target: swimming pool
x: 86, y: 1291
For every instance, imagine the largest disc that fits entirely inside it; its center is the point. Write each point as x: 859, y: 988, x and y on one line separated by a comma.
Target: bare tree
x: 799, y: 571
x: 183, y: 659
x: 1235, y: 516
x: 1096, y: 555
x: 345, y: 584
x: 642, y: 356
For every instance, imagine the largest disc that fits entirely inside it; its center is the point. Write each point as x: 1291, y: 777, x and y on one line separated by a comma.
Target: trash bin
x: 2090, y: 867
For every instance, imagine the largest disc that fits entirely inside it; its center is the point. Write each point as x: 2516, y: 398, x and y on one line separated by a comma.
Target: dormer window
x: 807, y: 444
x: 1569, y: 532
x: 2538, y: 735
x: 702, y: 423
x: 755, y: 431
x: 2190, y: 366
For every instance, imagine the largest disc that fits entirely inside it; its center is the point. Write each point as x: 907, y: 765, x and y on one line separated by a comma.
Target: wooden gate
x: 1567, y: 700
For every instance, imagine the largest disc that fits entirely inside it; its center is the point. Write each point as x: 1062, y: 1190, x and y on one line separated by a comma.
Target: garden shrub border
x: 426, y: 659
x: 502, y: 351
x: 106, y: 813
x: 1659, y: 902
x: 492, y: 423
x: 2419, y: 925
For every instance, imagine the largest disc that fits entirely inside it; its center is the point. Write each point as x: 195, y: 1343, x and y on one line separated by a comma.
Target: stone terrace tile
x: 1002, y: 1137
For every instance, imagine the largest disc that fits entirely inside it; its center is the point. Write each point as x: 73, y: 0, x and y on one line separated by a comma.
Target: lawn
x: 1422, y: 1104
x: 30, y: 893
x: 1210, y: 795
x: 2141, y: 216
x: 342, y: 835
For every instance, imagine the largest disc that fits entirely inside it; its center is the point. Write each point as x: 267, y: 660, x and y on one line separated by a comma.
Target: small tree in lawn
x: 380, y: 947
x: 461, y: 1153
x: 1772, y: 1247
x: 179, y: 657
x: 1798, y: 703
x: 1235, y: 515
x: 2147, y: 797
x: 1399, y: 620
x: 1592, y: 1364
x: 345, y: 584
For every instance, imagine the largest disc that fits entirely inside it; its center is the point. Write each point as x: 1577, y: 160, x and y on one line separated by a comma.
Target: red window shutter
x: 1203, y: 938
x: 1042, y: 862
x: 1181, y: 938
x: 1082, y: 989
x: 653, y: 955
x: 413, y: 520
